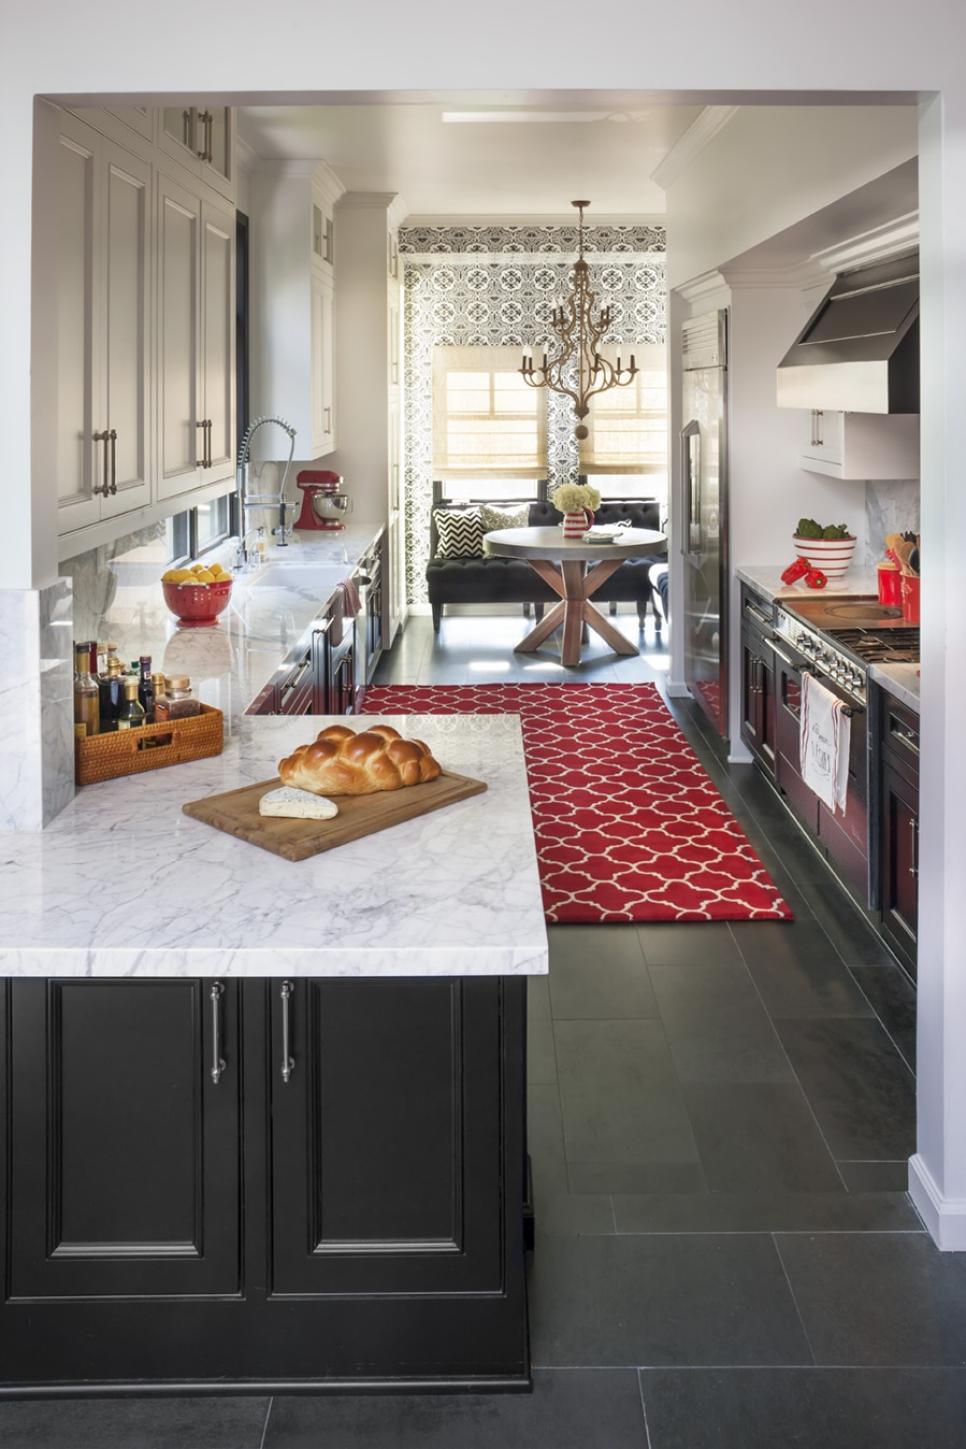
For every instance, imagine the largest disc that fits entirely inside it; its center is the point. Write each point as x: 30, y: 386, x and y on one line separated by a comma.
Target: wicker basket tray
x: 151, y: 747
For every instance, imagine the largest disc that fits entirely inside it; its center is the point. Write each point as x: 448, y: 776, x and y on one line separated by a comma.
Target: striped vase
x: 575, y: 525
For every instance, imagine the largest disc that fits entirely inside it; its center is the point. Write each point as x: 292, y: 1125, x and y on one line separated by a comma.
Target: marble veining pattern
x: 123, y: 883
x: 767, y: 581
x: 890, y: 507
x: 36, y: 706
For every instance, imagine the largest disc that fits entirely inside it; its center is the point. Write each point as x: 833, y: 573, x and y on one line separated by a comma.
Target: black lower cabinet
x: 221, y: 1185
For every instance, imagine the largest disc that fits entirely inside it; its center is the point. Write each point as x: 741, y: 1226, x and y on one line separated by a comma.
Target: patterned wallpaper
x: 468, y: 286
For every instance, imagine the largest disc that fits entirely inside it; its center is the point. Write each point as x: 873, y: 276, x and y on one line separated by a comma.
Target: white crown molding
x: 510, y: 259
x: 892, y: 239
x: 797, y: 277
x: 367, y: 200
x: 701, y: 132
x: 547, y: 219
x: 699, y: 289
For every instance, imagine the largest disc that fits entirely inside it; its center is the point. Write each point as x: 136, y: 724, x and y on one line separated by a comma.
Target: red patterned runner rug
x: 628, y: 825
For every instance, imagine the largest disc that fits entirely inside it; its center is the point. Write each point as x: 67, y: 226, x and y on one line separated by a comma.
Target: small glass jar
x: 177, y: 702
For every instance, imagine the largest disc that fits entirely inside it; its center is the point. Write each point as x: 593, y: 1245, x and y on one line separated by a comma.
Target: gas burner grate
x: 895, y: 646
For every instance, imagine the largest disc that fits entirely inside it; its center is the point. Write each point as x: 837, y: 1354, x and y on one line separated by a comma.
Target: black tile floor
x: 720, y: 1118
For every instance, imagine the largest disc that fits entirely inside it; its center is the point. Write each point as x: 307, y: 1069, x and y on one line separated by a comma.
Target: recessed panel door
x: 218, y: 238
x: 128, y: 219
x: 123, y: 1122
x: 180, y: 434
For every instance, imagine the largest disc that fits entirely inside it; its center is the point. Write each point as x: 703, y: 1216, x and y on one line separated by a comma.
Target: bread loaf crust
x: 342, y: 762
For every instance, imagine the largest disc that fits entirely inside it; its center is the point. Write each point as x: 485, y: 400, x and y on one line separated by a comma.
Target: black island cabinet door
x: 122, y: 1126
x: 396, y: 1175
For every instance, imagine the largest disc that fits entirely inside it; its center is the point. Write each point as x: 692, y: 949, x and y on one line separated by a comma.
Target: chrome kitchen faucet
x: 246, y: 502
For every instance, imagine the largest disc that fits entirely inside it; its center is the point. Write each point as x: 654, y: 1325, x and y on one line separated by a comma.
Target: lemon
x: 170, y: 576
x: 205, y: 576
x: 197, y: 569
x: 219, y: 572
x: 179, y: 576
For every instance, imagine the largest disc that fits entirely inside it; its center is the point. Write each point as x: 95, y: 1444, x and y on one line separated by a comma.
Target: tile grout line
x: 640, y: 1390
x: 268, y: 1415
x: 791, y: 1064
x: 898, y: 1050
x: 778, y: 1251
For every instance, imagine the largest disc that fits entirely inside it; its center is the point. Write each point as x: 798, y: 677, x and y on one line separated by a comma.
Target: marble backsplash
x: 36, y: 705
x: 890, y: 507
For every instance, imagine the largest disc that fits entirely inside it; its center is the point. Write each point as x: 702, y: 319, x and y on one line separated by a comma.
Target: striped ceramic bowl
x: 832, y: 555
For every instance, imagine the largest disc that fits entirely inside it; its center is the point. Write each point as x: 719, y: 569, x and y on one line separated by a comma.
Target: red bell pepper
x: 796, y: 571
x: 815, y: 579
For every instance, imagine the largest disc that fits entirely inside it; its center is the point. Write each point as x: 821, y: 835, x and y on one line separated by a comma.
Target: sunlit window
x: 628, y: 427
x: 486, y: 420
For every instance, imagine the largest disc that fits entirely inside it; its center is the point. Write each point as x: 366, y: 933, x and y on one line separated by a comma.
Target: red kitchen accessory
x: 815, y: 579
x: 890, y: 583
x: 322, y: 500
x: 796, y: 571
x: 910, y: 598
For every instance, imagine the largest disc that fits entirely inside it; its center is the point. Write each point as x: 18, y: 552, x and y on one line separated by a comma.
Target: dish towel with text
x: 824, y: 741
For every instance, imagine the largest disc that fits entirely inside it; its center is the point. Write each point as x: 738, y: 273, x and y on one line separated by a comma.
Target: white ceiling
x: 530, y: 162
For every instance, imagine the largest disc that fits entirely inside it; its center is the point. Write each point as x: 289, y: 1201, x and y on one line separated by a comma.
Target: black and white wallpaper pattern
x: 491, y: 286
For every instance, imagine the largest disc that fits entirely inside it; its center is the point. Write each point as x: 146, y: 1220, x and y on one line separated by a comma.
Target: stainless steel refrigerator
x: 703, y: 511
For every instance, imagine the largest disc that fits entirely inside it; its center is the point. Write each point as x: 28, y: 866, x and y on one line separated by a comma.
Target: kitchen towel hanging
x: 824, y: 741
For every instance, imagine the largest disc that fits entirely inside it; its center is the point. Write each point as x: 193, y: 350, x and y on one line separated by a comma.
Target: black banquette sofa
x: 489, y: 580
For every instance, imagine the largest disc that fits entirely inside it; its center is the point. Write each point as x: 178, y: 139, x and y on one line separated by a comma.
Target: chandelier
x: 578, y: 370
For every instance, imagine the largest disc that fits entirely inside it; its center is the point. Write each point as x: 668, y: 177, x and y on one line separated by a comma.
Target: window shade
x: 486, y: 420
x: 628, y: 425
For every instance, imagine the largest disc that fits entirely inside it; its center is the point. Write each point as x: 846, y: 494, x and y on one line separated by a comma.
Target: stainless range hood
x: 859, y: 351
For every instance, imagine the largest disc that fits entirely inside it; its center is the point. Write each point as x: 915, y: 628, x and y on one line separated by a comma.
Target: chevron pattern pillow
x: 460, y: 533
x: 493, y: 518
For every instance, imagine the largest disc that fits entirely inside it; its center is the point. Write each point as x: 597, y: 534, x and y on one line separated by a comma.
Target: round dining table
x: 575, y: 570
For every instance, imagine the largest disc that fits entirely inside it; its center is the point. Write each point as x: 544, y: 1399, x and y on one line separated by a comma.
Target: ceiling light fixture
x: 578, y: 371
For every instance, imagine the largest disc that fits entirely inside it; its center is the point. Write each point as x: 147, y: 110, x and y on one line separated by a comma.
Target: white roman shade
x: 628, y: 425
x: 487, y: 422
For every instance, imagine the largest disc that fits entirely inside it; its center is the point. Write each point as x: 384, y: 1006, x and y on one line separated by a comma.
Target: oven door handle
x: 803, y: 668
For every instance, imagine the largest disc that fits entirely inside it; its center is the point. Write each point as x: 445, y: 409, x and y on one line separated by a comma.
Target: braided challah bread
x: 341, y: 762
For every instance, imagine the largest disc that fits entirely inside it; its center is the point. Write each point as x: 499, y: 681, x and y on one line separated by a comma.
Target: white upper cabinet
x: 100, y: 448
x: 293, y: 293
x: 218, y: 342
x: 128, y: 229
x: 196, y: 310
x: 202, y: 140
x: 181, y: 431
x: 861, y: 445
x: 77, y: 458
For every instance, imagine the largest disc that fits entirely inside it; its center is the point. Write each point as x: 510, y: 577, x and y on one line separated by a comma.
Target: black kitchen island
x: 214, y: 1185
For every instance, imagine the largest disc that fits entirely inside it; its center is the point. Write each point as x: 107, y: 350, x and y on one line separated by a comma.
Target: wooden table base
x: 575, y: 584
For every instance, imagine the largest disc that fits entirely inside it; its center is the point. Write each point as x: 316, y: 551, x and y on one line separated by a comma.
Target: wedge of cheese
x: 295, y: 804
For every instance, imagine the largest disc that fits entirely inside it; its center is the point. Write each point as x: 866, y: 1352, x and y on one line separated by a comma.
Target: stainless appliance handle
x: 217, y: 1060
x: 288, y: 1061
x: 690, y: 431
x: 914, y: 830
x: 757, y: 614
x: 803, y: 668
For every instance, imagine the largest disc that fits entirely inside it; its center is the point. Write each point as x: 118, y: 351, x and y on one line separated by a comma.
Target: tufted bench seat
x: 512, y: 581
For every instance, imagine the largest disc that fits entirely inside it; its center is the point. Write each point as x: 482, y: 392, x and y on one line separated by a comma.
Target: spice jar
x: 177, y: 702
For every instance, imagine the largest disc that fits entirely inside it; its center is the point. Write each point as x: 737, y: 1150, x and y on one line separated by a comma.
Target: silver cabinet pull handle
x: 914, y: 832
x: 208, y: 429
x: 217, y: 1060
x: 105, y: 486
x: 288, y: 1061
x: 203, y: 425
x: 113, y: 437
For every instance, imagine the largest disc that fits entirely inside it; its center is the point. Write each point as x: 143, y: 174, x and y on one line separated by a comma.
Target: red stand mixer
x: 323, y: 502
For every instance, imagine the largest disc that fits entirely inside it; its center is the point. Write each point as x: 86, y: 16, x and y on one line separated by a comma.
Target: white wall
x: 771, y: 167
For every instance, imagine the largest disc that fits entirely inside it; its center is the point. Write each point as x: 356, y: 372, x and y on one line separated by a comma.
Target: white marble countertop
x: 901, y: 681
x: 768, y: 581
x: 124, y: 884
x: 229, y: 662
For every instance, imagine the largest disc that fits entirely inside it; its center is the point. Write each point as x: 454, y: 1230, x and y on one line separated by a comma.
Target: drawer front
x: 900, y: 735
x: 757, y: 613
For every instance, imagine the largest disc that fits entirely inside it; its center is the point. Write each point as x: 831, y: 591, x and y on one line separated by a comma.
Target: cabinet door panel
x: 322, y: 343
x: 900, y: 862
x: 384, y: 1148
x: 218, y: 232
x: 127, y: 291
x: 78, y: 404
x: 123, y: 1150
x: 179, y: 329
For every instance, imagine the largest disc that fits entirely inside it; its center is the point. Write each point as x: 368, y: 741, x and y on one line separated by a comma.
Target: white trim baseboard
x: 944, y: 1217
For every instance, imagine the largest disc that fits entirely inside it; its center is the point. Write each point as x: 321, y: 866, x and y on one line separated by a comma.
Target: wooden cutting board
x: 236, y: 812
